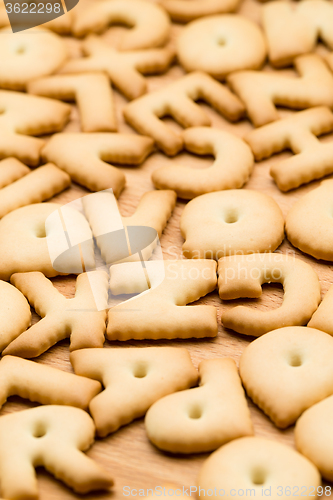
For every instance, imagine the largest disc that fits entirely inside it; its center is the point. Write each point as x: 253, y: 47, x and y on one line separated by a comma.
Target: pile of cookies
x: 266, y: 69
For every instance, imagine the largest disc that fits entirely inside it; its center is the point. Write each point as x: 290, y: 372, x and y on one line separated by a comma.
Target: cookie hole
x: 20, y: 50
x: 39, y: 431
x: 295, y: 360
x: 40, y: 232
x: 258, y: 477
x: 140, y: 370
x: 195, y: 412
x: 221, y: 42
x: 231, y: 217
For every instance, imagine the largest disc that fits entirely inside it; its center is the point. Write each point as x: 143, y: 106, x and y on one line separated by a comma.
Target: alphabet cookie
x: 160, y: 313
x: 322, y: 318
x: 176, y: 99
x: 215, y: 225
x: 184, y: 10
x: 231, y: 169
x: 287, y: 371
x: 313, y: 436
x: 92, y: 93
x: 34, y: 187
x: 262, y: 91
x: 44, y: 384
x: 28, y: 115
x: 147, y: 374
x: 102, y: 212
x: 76, y: 318
x: 309, y: 223
x: 257, y: 465
x: 11, y: 170
x: 124, y: 69
x: 84, y: 157
x: 26, y: 235
x: 202, y: 419
x: 53, y: 437
x: 149, y: 24
x: 15, y: 315
x: 299, y: 133
x: 301, y: 24
x: 28, y: 55
x: 220, y: 45
x: 243, y: 276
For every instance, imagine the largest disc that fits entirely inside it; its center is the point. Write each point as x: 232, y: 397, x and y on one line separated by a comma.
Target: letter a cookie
x: 202, y: 419
x: 147, y: 374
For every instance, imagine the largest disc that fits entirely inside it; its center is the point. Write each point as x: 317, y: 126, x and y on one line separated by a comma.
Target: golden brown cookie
x: 224, y: 223
x: 287, y: 371
x: 231, y: 169
x: 202, y: 419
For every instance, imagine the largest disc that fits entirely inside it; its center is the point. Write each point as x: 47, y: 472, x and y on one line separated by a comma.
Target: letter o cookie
x: 29, y: 55
x: 314, y: 438
x: 254, y: 463
x: 220, y: 45
x: 309, y: 224
x: 219, y: 224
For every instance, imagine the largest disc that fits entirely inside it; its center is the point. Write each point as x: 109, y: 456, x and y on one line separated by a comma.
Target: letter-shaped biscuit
x: 233, y: 43
x: 44, y: 384
x: 302, y: 24
x: 185, y: 10
x: 27, y: 55
x: 176, y: 100
x: 215, y: 225
x: 150, y: 25
x: 102, y: 211
x: 243, y: 276
x: 313, y: 436
x: 26, y: 235
x: 53, y: 437
x: 77, y: 318
x: 84, y: 157
x: 157, y: 314
x: 92, y: 93
x: 15, y: 315
x: 309, y: 223
x: 288, y: 370
x: 124, y: 69
x: 202, y: 419
x: 146, y: 374
x: 256, y: 467
x: 31, y: 187
x: 322, y: 318
x: 299, y: 132
x: 231, y: 169
x: 28, y: 115
x: 262, y: 91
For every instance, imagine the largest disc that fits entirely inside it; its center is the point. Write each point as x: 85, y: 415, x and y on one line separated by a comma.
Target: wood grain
x: 127, y: 454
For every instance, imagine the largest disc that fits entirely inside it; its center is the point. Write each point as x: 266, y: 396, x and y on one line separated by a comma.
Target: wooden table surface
x: 127, y: 455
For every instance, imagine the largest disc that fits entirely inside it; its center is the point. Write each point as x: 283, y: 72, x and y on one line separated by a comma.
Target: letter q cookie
x: 287, y: 371
x: 226, y: 222
x: 309, y: 224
